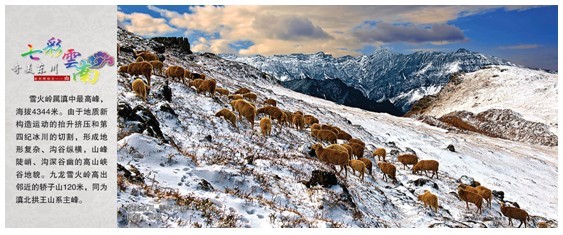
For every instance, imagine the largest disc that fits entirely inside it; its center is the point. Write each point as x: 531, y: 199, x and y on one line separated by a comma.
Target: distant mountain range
x: 383, y: 78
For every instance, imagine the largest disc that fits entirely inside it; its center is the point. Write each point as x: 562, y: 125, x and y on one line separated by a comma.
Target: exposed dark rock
x: 205, y: 185
x: 140, y: 119
x: 312, y: 153
x: 208, y: 138
x: 451, y: 147
x: 158, y: 48
x: 132, y: 174
x: 152, y: 124
x: 161, y: 57
x: 323, y: 178
x: 126, y: 49
x: 422, y: 181
x: 464, y: 179
x: 167, y: 92
x: 124, y: 110
x: 175, y: 42
x: 168, y: 109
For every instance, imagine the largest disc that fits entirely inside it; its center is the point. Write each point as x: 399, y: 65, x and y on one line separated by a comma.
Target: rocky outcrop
x: 502, y: 123
x: 180, y: 43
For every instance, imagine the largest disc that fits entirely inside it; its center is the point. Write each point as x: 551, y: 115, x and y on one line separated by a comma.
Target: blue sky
x: 524, y: 35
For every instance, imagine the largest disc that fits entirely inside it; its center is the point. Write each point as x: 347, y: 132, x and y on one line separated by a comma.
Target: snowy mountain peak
x: 462, y: 51
x: 382, y: 74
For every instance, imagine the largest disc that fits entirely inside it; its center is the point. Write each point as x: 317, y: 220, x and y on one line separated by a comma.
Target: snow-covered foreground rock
x: 188, y: 168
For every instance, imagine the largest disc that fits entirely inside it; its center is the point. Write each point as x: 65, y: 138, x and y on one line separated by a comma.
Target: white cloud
x: 309, y: 29
x: 144, y: 24
x: 520, y: 47
x: 384, y: 32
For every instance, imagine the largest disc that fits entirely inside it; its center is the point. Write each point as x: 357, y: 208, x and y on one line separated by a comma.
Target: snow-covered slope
x: 503, y: 101
x: 188, y: 168
x: 383, y: 75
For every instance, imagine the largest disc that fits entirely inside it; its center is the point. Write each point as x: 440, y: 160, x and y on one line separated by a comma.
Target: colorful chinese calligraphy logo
x: 31, y: 52
x: 53, y: 48
x: 70, y: 58
x: 86, y: 69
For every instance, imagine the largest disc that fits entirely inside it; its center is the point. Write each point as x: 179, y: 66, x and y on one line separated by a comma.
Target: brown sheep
x: 229, y: 115
x: 266, y: 126
x: 310, y: 120
x: 289, y: 117
x: 357, y: 149
x: 380, y: 153
x: 369, y: 164
x: 467, y: 188
x: 271, y: 102
x: 468, y: 197
x: 195, y: 83
x: 175, y: 72
x: 274, y: 113
x: 337, y: 129
x: 285, y: 119
x: 342, y: 135
x: 359, y: 166
x: 315, y: 126
x: 330, y: 128
x: 139, y: 59
x: 250, y: 96
x: 514, y: 213
x: 123, y: 69
x: 388, y: 169
x: 147, y: 56
x: 298, y: 122
x: 157, y: 67
x: 222, y: 91
x: 349, y: 149
x: 264, y: 110
x: 141, y: 68
x: 140, y: 88
x: 242, y: 91
x: 357, y: 141
x: 235, y: 97
x: 429, y: 199
x: 298, y: 112
x: 314, y: 134
x: 426, y: 165
x: 325, y: 135
x: 333, y: 157
x: 207, y: 86
x: 337, y: 147
x: 246, y: 109
x: 486, y: 193
x: 341, y: 147
x: 407, y: 159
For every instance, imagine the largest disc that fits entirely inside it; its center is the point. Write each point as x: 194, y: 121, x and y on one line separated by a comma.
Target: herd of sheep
x: 349, y: 154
